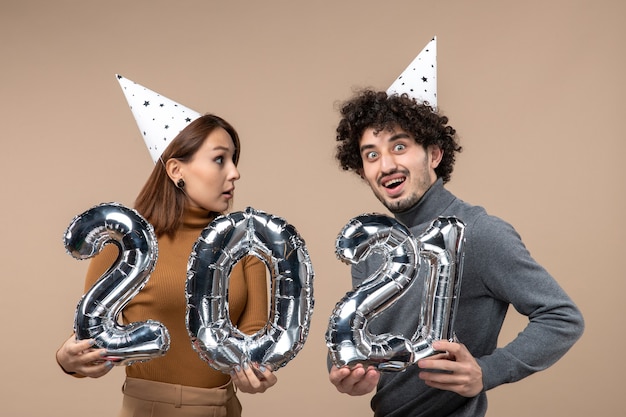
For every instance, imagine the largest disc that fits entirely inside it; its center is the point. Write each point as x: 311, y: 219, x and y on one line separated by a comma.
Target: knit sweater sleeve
x: 254, y: 315
x: 511, y: 275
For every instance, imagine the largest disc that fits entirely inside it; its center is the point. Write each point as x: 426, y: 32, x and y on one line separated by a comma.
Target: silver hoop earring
x: 180, y: 183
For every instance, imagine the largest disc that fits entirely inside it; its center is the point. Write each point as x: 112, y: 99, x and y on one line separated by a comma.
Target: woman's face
x: 210, y: 175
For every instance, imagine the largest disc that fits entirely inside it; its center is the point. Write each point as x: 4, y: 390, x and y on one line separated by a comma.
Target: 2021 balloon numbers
x: 221, y: 245
x: 437, y: 254
x: 97, y: 312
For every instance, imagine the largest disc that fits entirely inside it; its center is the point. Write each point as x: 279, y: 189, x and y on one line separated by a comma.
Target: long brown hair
x: 160, y: 201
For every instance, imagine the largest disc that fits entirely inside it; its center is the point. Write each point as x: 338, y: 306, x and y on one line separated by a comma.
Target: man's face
x: 398, y: 170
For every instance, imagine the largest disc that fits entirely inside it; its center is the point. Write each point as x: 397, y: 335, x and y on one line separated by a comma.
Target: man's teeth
x: 393, y: 182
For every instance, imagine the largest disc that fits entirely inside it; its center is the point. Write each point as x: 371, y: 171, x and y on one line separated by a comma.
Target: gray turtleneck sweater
x: 498, y: 271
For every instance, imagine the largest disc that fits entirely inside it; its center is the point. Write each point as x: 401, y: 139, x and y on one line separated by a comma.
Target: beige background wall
x: 534, y: 88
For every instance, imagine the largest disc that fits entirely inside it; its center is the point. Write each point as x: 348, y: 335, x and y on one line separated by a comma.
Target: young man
x: 405, y: 151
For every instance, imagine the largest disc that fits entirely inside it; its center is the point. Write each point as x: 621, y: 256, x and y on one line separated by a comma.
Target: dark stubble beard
x: 400, y: 205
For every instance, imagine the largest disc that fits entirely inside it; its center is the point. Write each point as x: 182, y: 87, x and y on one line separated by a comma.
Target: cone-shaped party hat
x: 419, y: 79
x: 159, y: 118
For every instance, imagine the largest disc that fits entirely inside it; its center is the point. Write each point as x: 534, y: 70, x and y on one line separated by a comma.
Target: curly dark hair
x: 380, y: 111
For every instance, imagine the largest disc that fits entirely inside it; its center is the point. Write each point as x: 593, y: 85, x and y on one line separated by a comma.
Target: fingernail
x: 246, y: 365
x: 237, y: 368
x: 108, y: 364
x: 262, y: 368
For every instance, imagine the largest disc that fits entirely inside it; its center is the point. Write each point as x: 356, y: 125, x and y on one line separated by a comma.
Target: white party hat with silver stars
x: 159, y: 118
x: 419, y: 79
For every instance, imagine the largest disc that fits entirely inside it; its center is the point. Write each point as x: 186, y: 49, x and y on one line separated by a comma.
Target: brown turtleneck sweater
x: 163, y: 299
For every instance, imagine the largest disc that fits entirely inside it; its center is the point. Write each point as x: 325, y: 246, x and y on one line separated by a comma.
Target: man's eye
x: 371, y: 155
x: 400, y: 147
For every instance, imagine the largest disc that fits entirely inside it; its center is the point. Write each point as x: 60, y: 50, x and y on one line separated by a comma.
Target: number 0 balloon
x: 221, y: 245
x: 439, y: 249
x: 98, y: 310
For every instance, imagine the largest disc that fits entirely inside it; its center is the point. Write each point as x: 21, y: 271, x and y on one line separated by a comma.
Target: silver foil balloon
x: 98, y: 310
x: 439, y: 249
x: 221, y: 245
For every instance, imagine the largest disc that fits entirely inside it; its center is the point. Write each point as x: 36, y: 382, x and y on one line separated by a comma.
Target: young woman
x: 191, y: 184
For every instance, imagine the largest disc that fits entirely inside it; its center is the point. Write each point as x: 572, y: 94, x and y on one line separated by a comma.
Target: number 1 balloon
x: 221, y: 245
x: 98, y: 310
x: 439, y: 248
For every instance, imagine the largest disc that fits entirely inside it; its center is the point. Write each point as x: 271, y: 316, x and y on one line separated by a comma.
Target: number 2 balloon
x: 439, y: 249
x: 98, y: 310
x: 221, y: 245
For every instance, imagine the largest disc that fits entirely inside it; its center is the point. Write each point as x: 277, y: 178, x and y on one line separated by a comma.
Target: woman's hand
x: 253, y: 378
x: 79, y: 357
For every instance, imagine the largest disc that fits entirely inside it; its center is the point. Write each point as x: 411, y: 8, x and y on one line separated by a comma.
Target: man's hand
x: 456, y: 370
x: 356, y: 381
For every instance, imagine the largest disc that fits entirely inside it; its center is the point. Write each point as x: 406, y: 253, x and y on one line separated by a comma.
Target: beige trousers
x: 143, y: 398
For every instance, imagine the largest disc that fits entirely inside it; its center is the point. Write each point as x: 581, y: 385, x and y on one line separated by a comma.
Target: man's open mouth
x: 393, y: 183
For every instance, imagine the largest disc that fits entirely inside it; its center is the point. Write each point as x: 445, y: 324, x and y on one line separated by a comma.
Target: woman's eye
x: 219, y: 160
